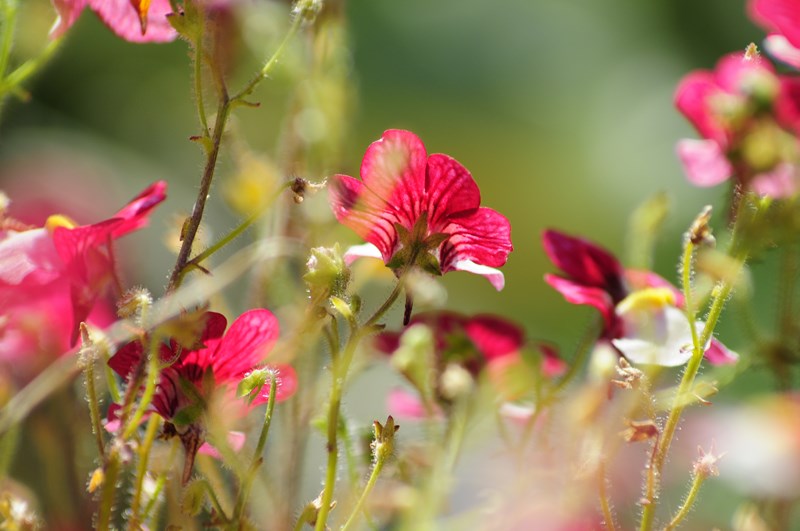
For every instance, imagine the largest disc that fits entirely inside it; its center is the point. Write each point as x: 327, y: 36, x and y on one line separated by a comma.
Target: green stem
x: 7, y: 39
x: 141, y: 470
x: 688, y: 502
x: 192, y: 224
x: 339, y: 370
x: 398, y: 289
x: 94, y: 405
x: 153, y: 369
x: 270, y: 64
x: 198, y: 81
x: 373, y: 478
x: 235, y: 233
x: 605, y: 505
x: 721, y: 293
x: 247, y: 481
x: 109, y: 492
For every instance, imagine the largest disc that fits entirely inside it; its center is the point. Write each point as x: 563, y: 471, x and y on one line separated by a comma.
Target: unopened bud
x: 253, y: 382
x: 308, y: 9
x: 629, y: 376
x: 327, y: 275
x: 456, y: 382
x: 383, y: 445
x: 700, y: 232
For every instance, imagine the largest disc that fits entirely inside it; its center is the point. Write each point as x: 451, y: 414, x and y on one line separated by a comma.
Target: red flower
x: 228, y: 356
x: 56, y: 274
x: 221, y: 361
x: 422, y: 210
x: 640, y: 309
x: 749, y: 118
x: 132, y: 20
x: 782, y: 19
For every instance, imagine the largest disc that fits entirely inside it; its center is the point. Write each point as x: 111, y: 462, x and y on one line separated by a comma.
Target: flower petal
x: 236, y: 441
x: 719, y: 354
x: 135, y: 213
x: 366, y: 214
x: 451, y: 191
x: 483, y: 237
x: 703, y: 162
x: 366, y: 250
x: 779, y: 47
x: 692, y: 97
x: 68, y: 12
x: 245, y: 345
x: 404, y: 404
x: 393, y: 168
x: 579, y: 294
x: 584, y: 262
x: 123, y: 19
x: 781, y: 182
x: 494, y: 336
x: 28, y: 257
x: 494, y: 276
x: 778, y: 15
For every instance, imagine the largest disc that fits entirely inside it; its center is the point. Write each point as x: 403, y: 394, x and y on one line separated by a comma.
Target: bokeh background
x: 561, y: 109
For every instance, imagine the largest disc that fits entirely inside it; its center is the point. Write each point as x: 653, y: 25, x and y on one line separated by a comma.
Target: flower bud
x: 383, y: 445
x: 133, y: 303
x: 456, y: 382
x: 253, y: 382
x: 415, y: 358
x: 327, y: 275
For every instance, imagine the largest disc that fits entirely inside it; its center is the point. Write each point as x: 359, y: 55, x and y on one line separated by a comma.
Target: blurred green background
x: 561, y: 109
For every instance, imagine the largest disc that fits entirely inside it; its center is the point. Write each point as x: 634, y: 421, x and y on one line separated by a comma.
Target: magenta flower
x: 749, y: 118
x: 782, y: 19
x: 466, y: 346
x: 415, y: 209
x: 56, y: 274
x: 641, y: 310
x: 132, y: 20
x: 222, y: 360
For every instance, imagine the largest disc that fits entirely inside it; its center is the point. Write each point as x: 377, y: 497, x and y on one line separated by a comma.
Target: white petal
x: 494, y: 276
x: 366, y: 250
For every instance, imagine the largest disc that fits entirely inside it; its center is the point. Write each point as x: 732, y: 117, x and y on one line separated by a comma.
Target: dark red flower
x: 474, y: 344
x: 422, y: 210
x: 641, y: 310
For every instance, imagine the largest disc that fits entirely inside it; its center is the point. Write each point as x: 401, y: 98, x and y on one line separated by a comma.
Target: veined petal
x: 703, y: 161
x: 494, y: 276
x: 393, y: 168
x: 483, y: 237
x: 451, y: 190
x: 576, y: 293
x: 245, y: 345
x: 123, y: 19
x: 366, y: 214
x: 584, y: 262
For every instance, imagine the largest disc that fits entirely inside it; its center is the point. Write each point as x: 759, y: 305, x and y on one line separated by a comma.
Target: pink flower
x: 221, y: 360
x: 462, y: 347
x: 51, y: 277
x: 132, y: 20
x: 421, y: 210
x: 749, y: 118
x: 641, y: 310
x: 782, y: 19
